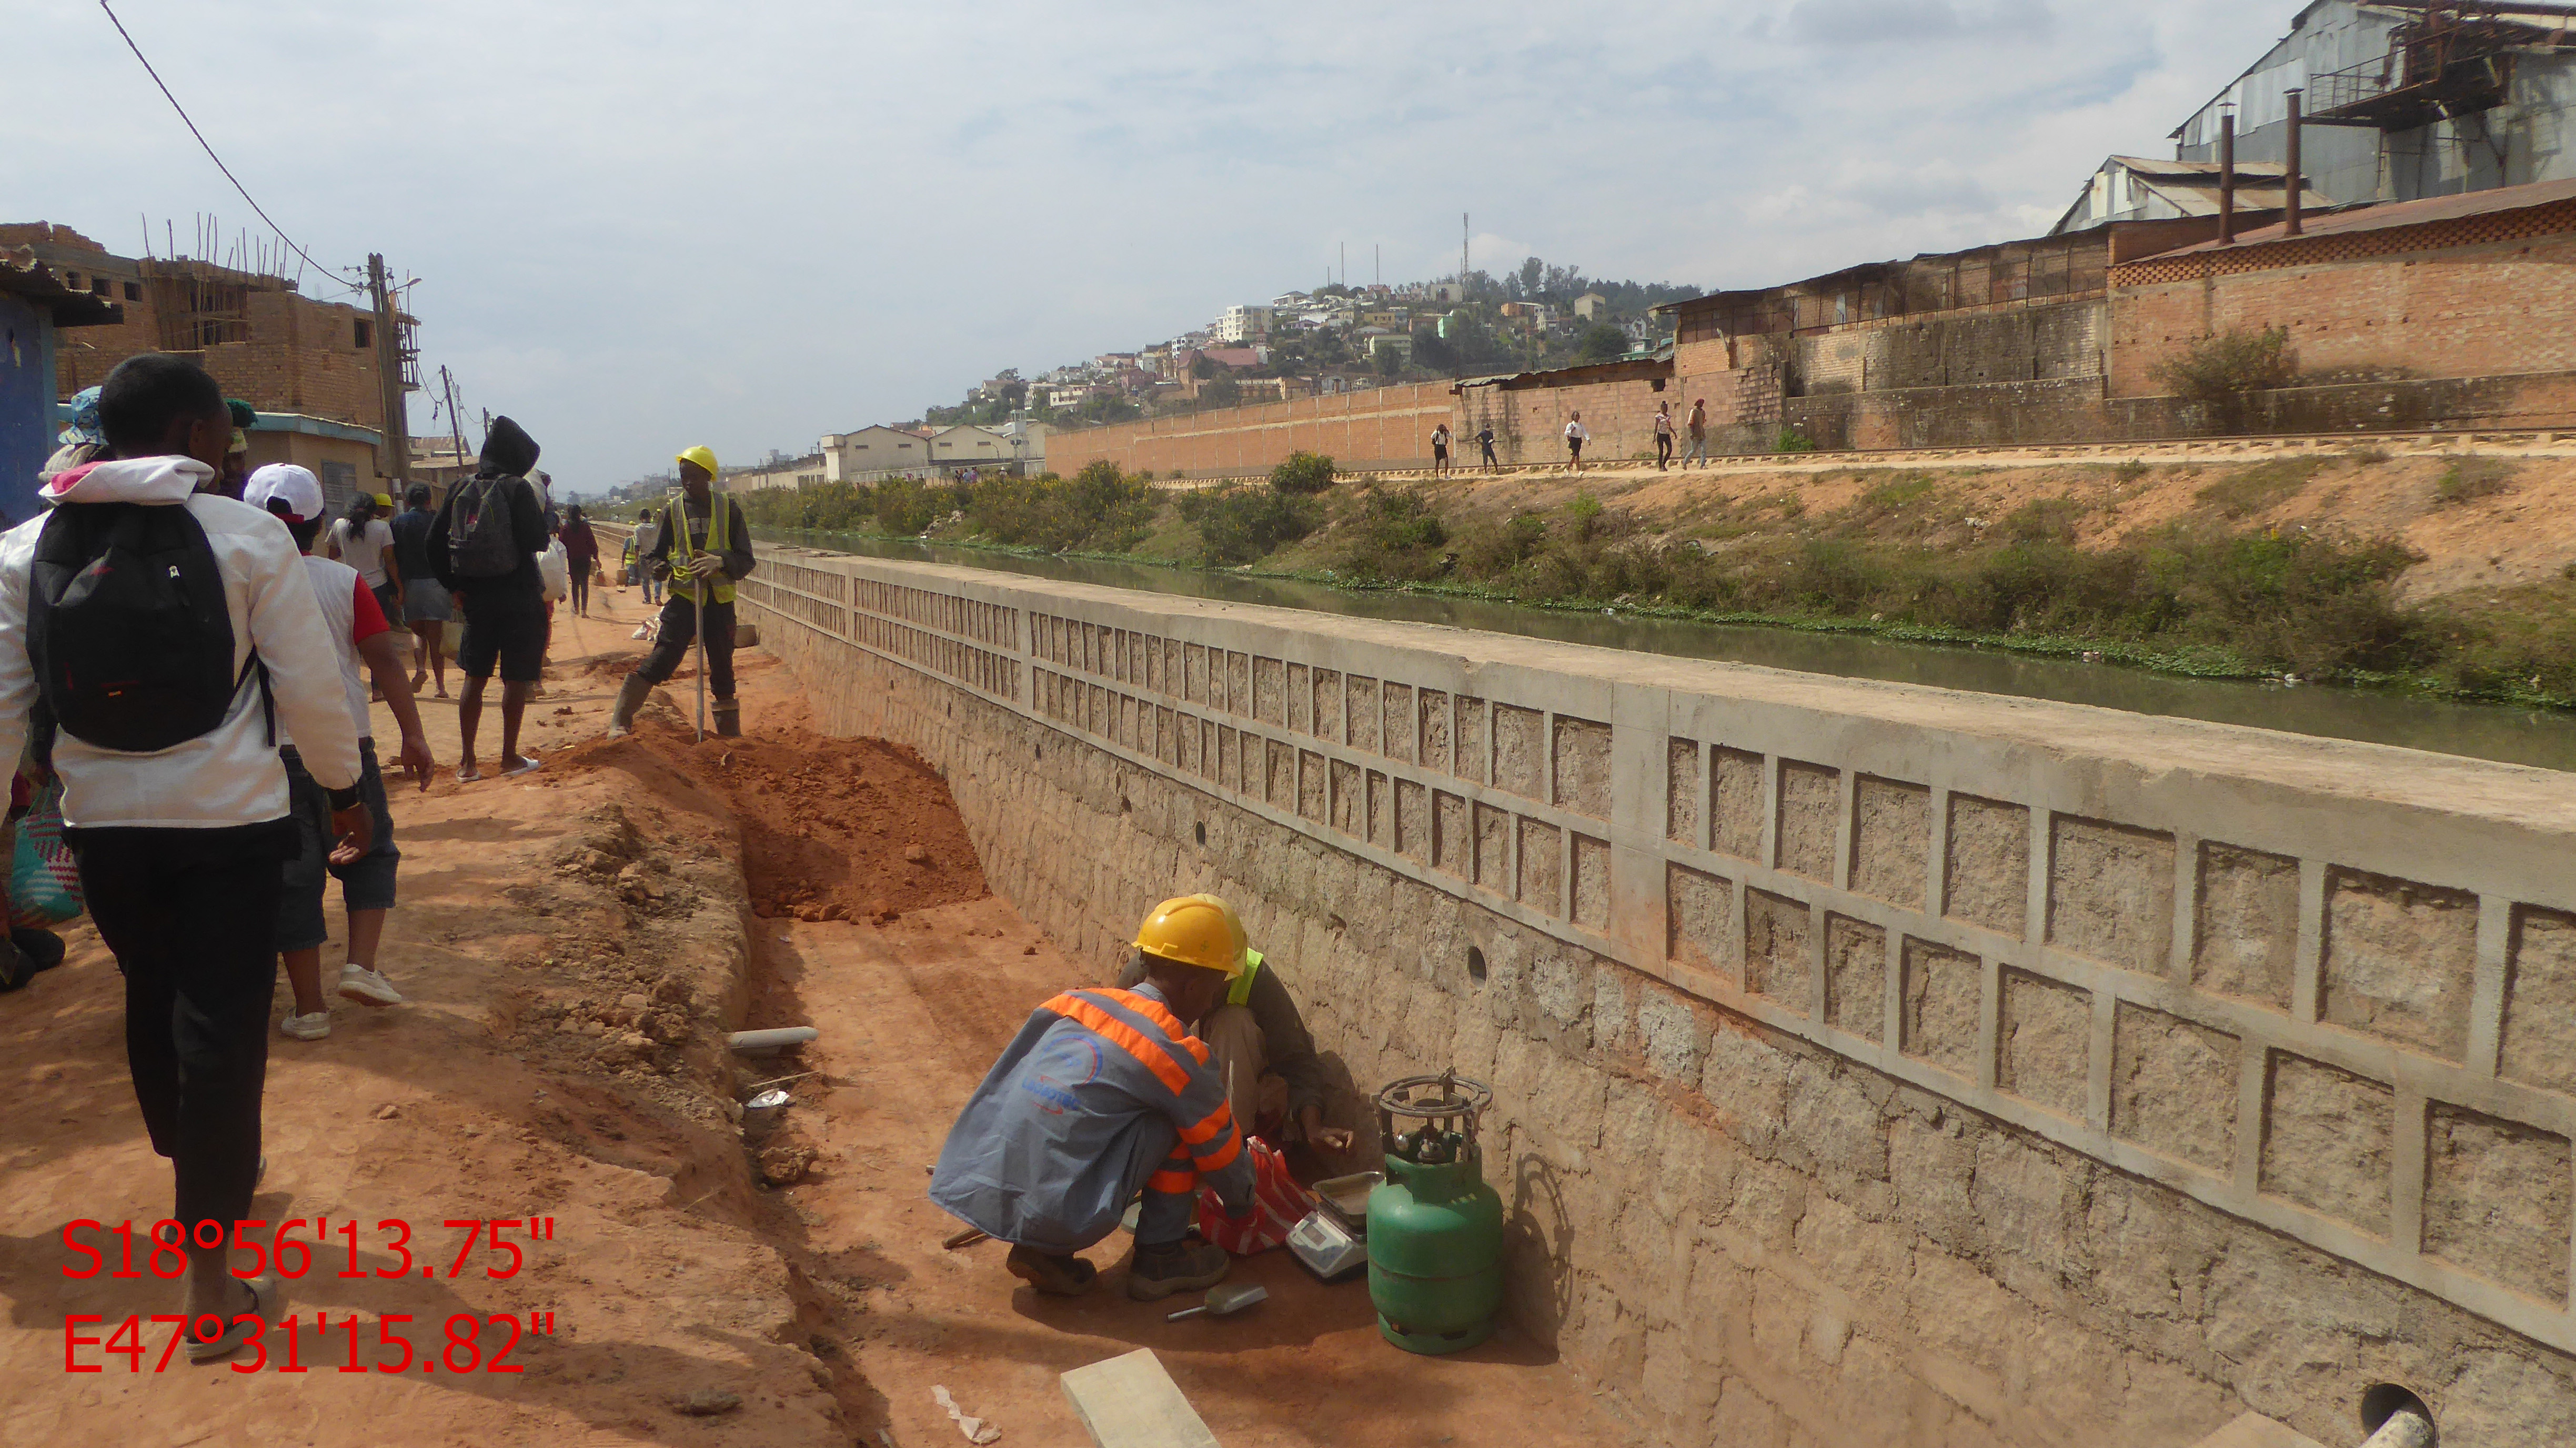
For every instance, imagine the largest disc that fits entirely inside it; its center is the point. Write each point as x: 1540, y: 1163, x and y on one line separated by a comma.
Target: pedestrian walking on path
x: 426, y: 606
x: 1440, y: 450
x: 174, y: 800
x: 1485, y: 440
x: 1663, y: 437
x: 1698, y: 433
x: 484, y: 546
x: 1576, y: 435
x: 362, y: 638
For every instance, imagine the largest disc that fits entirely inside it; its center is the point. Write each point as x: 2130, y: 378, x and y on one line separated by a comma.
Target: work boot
x: 1183, y: 1266
x: 1050, y: 1274
x: 621, y: 717
x: 728, y: 714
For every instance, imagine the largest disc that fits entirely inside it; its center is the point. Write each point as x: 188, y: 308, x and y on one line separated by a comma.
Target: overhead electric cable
x: 209, y: 147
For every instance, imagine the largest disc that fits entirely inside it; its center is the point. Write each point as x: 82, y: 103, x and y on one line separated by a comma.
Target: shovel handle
x: 1185, y: 1312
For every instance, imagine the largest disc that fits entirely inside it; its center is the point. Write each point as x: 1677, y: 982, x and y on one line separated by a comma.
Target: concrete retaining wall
x: 1873, y: 1064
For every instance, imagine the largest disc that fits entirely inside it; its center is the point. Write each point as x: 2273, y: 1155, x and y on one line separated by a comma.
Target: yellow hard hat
x: 702, y: 455
x: 1194, y: 930
x: 1234, y: 922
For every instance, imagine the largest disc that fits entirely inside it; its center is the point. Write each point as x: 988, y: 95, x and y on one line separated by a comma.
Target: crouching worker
x: 1264, y: 1053
x: 1104, y: 1097
x: 702, y: 546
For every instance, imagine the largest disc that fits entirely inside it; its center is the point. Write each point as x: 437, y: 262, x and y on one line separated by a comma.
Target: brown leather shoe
x: 1158, y: 1272
x: 1050, y: 1274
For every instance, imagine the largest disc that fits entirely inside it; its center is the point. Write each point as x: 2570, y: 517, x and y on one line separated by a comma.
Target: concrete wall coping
x: 2525, y: 795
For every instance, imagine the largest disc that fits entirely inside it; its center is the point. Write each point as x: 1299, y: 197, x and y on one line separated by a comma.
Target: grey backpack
x: 481, y: 541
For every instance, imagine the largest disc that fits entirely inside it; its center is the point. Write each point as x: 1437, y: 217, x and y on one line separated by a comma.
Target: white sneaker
x: 367, y: 987
x: 307, y: 1028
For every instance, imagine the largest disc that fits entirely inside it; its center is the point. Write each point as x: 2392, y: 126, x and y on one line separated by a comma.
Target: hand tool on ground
x: 1224, y: 1300
x: 967, y: 1238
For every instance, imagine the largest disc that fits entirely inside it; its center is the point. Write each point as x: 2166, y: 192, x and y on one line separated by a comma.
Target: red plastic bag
x: 1278, y: 1205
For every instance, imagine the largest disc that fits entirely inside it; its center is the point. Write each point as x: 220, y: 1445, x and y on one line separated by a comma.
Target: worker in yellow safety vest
x: 701, y: 545
x: 1274, y: 1079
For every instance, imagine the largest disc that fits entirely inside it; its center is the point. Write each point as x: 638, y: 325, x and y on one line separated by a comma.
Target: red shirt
x: 369, y: 619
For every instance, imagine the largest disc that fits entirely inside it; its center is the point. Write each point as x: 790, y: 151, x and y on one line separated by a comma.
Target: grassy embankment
x: 2360, y: 570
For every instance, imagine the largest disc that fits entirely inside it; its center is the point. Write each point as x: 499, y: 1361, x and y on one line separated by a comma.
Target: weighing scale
x: 1323, y: 1246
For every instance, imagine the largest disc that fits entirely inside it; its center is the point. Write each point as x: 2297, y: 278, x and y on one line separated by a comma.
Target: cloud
x: 1881, y: 22
x: 652, y: 222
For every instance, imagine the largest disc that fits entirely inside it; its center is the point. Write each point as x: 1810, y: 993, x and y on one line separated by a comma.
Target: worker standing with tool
x: 1102, y: 1098
x: 701, y: 545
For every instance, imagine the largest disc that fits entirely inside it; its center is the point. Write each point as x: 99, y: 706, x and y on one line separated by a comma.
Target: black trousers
x: 679, y: 629
x: 1663, y: 448
x: 192, y: 918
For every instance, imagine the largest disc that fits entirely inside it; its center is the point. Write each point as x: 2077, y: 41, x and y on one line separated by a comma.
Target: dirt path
x: 572, y: 948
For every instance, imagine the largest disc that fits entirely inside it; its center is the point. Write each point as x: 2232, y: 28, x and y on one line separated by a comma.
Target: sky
x: 645, y: 224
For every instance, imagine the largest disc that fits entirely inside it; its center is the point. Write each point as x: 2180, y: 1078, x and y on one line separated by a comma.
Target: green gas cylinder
x: 1435, y: 1229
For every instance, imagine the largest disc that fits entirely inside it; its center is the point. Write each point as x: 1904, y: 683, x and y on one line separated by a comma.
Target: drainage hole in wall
x: 1200, y: 830
x: 1475, y: 963
x: 1037, y: 751
x: 2383, y: 1402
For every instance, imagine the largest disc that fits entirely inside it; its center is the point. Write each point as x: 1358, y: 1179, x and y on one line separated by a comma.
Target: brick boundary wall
x: 2493, y: 310
x: 1873, y: 1063
x: 1382, y: 427
x: 2491, y: 229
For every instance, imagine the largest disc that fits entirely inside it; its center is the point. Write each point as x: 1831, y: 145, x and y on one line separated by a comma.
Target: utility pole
x: 1462, y: 256
x: 394, y: 457
x: 2294, y: 186
x: 455, y: 425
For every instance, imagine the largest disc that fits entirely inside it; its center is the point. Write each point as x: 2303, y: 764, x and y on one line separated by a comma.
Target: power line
x: 209, y: 148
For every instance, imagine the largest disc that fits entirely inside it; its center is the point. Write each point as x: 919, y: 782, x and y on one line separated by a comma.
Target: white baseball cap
x: 286, y: 483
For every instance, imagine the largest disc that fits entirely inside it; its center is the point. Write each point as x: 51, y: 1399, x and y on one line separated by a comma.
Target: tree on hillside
x: 1601, y: 343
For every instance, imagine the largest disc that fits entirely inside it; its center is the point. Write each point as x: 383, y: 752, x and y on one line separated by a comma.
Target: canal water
x: 2539, y: 737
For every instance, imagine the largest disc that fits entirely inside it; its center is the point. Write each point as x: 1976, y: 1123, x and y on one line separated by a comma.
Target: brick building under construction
x: 310, y: 367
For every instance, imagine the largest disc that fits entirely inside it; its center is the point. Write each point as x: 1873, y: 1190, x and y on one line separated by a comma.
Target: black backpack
x: 481, y: 541
x: 127, y: 628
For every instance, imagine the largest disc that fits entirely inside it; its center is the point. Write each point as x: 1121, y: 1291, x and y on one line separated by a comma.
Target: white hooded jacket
x: 230, y: 776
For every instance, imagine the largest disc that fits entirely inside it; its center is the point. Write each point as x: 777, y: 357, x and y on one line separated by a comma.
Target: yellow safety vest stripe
x: 1240, y: 991
x: 676, y: 524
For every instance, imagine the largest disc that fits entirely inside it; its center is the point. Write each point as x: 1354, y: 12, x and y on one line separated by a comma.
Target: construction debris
x: 977, y: 1431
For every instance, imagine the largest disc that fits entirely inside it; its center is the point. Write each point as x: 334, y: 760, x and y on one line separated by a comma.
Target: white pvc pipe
x: 2405, y: 1428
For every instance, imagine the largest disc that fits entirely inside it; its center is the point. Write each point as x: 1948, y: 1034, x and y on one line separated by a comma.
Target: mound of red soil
x: 832, y: 829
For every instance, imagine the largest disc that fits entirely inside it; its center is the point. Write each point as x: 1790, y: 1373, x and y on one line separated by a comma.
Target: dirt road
x: 574, y: 944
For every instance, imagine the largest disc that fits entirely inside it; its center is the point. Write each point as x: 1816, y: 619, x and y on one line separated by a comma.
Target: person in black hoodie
x: 505, y: 610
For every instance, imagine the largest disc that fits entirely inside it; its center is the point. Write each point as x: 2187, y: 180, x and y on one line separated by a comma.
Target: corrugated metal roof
x: 21, y: 274
x: 2404, y: 213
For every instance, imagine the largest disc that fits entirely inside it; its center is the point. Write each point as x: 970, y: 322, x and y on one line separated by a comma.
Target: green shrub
x: 2129, y: 472
x: 2223, y: 373
x: 1239, y: 523
x: 2045, y: 520
x: 1896, y: 492
x: 1498, y: 548
x: 1793, y: 441
x: 1302, y: 474
x: 905, y: 507
x: 2249, y: 491
x: 1396, y: 535
x: 1098, y: 509
x: 2470, y: 479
